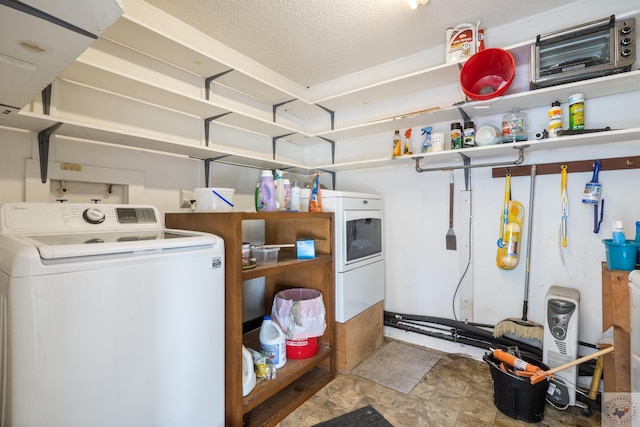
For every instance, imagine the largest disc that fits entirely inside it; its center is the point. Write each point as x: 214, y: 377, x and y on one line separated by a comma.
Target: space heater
x: 561, y: 343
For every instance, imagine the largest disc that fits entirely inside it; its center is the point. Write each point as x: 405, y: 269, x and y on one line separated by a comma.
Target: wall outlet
x: 186, y: 196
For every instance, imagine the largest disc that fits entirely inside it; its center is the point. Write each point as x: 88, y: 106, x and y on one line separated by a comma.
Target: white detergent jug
x: 273, y: 342
x: 248, y: 373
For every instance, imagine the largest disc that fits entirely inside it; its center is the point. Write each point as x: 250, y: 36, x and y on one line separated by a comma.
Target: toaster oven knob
x: 625, y: 30
x: 625, y: 41
x: 626, y: 53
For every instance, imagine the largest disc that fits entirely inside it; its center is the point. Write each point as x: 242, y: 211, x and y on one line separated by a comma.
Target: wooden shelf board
x: 273, y: 410
x: 286, y: 262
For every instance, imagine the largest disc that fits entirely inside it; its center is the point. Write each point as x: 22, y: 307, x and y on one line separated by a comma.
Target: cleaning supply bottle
x: 511, y: 242
x: 295, y: 196
x: 315, y: 199
x: 280, y: 191
x: 618, y: 232
x: 273, y: 342
x: 397, y: 145
x: 555, y: 119
x: 469, y: 135
x: 287, y: 195
x: 426, y: 144
x: 266, y: 193
x: 576, y: 111
x: 248, y: 373
x: 407, y: 142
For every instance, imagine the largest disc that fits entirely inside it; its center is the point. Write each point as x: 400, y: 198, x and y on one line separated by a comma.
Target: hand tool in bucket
x: 541, y: 375
x: 451, y: 237
x: 523, y: 327
x: 592, y: 195
x: 510, y: 230
x: 518, y: 364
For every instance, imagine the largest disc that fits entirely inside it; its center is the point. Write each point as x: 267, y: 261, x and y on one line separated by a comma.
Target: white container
x: 437, y: 142
x: 208, y: 201
x: 248, y: 373
x: 488, y: 135
x: 273, y: 342
x: 265, y: 256
x: 295, y: 197
x: 305, y: 195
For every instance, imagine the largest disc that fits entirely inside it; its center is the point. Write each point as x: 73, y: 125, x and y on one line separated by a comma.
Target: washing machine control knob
x: 93, y: 216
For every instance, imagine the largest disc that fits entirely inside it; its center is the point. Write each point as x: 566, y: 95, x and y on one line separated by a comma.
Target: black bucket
x: 514, y: 396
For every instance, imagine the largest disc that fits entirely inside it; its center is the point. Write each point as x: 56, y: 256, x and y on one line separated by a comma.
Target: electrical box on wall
x: 187, y: 198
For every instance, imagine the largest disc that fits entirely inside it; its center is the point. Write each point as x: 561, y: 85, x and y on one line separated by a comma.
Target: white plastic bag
x: 300, y: 313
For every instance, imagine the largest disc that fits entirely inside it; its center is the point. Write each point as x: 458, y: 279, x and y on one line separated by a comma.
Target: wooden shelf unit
x: 271, y: 400
x: 616, y: 314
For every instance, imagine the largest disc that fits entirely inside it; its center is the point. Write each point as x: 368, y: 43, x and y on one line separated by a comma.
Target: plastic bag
x: 300, y: 312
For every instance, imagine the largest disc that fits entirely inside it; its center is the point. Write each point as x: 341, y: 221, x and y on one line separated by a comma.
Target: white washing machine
x: 108, y: 319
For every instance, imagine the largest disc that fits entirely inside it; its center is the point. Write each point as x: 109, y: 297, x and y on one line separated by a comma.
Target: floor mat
x: 397, y: 366
x: 363, y: 417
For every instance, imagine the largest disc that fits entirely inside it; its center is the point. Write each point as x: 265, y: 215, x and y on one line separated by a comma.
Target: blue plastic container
x: 621, y: 256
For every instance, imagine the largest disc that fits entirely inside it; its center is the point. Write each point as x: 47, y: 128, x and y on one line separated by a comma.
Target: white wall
x: 421, y: 275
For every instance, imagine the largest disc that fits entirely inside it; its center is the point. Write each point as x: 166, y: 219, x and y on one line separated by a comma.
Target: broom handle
x: 525, y: 303
x: 579, y: 361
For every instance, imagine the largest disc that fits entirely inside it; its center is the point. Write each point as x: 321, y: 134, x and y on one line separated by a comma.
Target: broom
x: 522, y: 327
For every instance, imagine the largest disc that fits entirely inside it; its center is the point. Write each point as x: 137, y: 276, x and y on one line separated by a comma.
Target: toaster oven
x: 582, y: 52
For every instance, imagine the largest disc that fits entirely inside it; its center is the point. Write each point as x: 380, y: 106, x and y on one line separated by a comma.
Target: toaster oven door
x: 573, y: 55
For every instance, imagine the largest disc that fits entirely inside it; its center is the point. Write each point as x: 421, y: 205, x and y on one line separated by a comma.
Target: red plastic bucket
x: 302, y: 349
x: 487, y: 74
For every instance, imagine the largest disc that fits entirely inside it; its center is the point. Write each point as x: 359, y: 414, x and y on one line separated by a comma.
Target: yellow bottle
x: 509, y: 242
x: 511, y: 245
x: 397, y: 145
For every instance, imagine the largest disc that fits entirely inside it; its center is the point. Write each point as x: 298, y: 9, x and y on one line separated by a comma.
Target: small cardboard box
x: 305, y: 248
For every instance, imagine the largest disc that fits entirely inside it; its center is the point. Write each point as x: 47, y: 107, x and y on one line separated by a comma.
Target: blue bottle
x: 618, y: 233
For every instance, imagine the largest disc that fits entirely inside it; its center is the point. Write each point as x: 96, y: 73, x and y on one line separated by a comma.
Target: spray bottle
x: 315, y: 200
x: 426, y: 144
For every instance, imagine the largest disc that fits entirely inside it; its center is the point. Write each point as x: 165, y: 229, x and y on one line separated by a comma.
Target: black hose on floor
x: 461, y: 332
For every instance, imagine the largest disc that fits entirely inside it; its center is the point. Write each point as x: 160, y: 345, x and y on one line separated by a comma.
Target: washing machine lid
x: 58, y: 246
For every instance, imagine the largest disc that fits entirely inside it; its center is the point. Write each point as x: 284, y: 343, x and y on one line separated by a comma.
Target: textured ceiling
x: 315, y: 41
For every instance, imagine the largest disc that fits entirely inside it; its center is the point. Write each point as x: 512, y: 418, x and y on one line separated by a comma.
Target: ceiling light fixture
x: 414, y: 3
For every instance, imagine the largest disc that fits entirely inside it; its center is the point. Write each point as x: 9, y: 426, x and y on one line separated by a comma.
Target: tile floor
x: 456, y: 392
